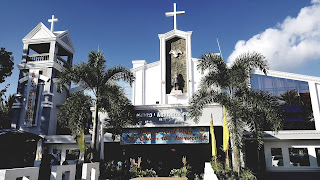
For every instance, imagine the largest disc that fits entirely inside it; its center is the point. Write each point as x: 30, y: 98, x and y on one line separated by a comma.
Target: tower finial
x: 53, y: 20
x: 174, y: 14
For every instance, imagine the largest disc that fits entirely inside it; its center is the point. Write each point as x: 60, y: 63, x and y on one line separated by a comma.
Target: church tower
x: 174, y: 78
x: 45, y: 54
x: 176, y: 62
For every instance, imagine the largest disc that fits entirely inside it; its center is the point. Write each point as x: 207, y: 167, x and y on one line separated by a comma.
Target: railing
x: 61, y: 61
x: 45, y: 57
x: 38, y: 57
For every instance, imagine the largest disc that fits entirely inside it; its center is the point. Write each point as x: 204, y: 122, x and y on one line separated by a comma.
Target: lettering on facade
x: 31, y: 99
x: 165, y: 135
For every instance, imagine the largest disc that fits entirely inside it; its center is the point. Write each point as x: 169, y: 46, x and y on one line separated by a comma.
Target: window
x: 299, y: 157
x: 276, y: 157
x: 293, y: 95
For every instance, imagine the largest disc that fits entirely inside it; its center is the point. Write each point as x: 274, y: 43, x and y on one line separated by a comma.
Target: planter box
x: 160, y: 178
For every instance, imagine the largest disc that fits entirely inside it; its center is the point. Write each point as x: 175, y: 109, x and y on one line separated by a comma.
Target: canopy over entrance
x: 17, y: 148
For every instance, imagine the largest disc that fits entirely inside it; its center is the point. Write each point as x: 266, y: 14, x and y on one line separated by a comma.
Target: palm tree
x: 229, y: 85
x: 120, y: 111
x: 74, y: 113
x: 93, y: 76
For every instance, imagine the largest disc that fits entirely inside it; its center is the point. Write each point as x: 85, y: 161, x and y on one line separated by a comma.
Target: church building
x: 164, y: 132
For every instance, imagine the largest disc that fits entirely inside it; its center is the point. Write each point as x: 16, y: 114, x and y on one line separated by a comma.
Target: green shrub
x: 138, y: 172
x: 229, y: 174
x: 110, y: 170
x: 246, y: 174
x: 182, y: 172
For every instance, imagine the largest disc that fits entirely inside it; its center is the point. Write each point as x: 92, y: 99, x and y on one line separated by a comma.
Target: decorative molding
x: 47, y: 104
x: 147, y: 66
x: 16, y: 105
x: 66, y: 33
x: 174, y: 33
x: 292, y: 134
x: 166, y: 106
x: 35, y: 30
x: 287, y: 75
x: 48, y: 94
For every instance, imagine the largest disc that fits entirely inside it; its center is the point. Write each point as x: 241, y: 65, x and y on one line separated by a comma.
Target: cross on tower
x: 53, y: 20
x: 174, y: 14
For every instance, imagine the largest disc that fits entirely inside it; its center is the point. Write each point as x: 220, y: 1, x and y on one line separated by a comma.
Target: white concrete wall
x: 31, y: 173
x: 284, y: 145
x: 68, y: 171
x: 153, y: 85
x: 90, y: 171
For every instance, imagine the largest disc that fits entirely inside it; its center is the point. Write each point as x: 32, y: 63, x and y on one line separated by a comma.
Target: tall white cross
x: 174, y: 14
x: 53, y: 20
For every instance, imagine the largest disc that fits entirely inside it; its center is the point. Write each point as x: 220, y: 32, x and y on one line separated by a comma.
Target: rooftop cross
x: 174, y: 14
x: 53, y: 20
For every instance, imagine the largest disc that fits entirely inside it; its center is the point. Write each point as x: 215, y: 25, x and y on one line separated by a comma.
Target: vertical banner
x: 225, y: 131
x: 31, y: 98
x: 213, y: 139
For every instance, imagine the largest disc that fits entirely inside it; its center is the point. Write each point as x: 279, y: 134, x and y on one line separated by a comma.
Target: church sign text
x: 178, y: 135
x: 32, y: 87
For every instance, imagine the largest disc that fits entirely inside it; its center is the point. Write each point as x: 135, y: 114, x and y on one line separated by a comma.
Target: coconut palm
x: 229, y: 85
x: 74, y: 114
x: 93, y: 76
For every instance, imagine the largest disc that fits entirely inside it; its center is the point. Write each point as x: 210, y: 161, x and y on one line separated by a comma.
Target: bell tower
x: 45, y: 54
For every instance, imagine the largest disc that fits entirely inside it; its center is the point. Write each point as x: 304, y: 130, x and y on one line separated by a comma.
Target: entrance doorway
x: 163, y: 158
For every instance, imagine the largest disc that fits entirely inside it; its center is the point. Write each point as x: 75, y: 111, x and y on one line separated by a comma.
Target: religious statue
x: 178, y: 82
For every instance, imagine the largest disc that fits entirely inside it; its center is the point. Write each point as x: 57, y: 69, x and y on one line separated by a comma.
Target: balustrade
x: 38, y: 57
x: 45, y: 57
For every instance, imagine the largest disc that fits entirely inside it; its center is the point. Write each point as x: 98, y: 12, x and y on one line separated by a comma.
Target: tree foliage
x: 94, y: 76
x: 229, y: 85
x: 6, y: 64
x: 120, y: 111
x: 75, y: 113
x: 6, y: 112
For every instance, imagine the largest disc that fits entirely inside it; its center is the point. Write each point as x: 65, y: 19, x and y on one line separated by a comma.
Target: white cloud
x: 290, y: 43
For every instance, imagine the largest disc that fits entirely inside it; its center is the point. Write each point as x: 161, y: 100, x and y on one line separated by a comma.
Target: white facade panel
x: 153, y: 85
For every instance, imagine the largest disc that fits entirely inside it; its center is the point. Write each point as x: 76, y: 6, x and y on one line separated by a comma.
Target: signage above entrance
x: 162, y: 116
x: 181, y: 135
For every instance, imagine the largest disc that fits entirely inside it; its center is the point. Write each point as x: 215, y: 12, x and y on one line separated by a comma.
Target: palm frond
x: 118, y: 73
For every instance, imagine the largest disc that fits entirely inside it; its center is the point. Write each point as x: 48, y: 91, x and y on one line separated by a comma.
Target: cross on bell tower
x: 52, y: 21
x: 174, y: 14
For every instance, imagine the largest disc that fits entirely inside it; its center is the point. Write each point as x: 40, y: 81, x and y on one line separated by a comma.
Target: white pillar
x: 52, y: 50
x: 101, y: 141
x: 314, y: 95
x: 163, y: 68
x: 25, y: 53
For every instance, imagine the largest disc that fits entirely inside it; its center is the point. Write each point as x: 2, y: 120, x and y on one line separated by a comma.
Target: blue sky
x: 287, y: 32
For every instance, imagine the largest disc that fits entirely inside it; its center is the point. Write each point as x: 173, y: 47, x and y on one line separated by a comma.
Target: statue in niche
x: 178, y: 82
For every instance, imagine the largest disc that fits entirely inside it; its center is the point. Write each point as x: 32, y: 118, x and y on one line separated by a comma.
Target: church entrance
x: 164, y: 158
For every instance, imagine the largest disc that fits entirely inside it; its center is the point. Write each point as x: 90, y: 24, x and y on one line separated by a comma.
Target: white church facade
x: 164, y: 132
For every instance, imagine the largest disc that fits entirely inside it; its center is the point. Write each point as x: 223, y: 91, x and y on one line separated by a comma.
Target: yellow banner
x: 81, y: 142
x: 225, y: 131
x: 213, y: 139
